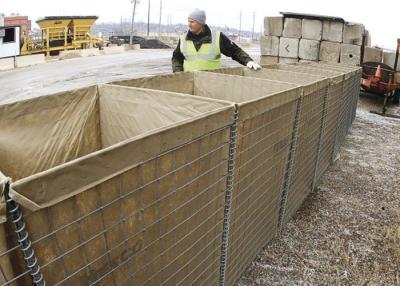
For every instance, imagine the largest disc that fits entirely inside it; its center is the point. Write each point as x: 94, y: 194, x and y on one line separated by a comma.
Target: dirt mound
x: 144, y: 43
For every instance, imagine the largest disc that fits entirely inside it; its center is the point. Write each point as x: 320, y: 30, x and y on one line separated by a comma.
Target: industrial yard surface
x: 56, y: 76
x: 348, y: 231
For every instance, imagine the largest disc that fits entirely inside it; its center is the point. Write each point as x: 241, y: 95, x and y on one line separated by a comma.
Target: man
x: 200, y: 48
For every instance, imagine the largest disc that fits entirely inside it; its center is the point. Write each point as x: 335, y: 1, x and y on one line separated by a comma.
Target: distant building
x: 17, y: 20
x: 10, y: 39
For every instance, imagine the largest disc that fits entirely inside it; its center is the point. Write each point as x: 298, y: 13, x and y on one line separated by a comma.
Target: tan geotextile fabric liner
x: 226, y: 87
x: 124, y: 116
x: 329, y: 131
x: 279, y: 75
x: 187, y: 159
x: 305, y: 155
x: 234, y: 88
x: 40, y: 133
x: 261, y: 157
x: 160, y: 221
x: 181, y: 82
x: 343, y: 112
x: 266, y: 118
x: 266, y: 114
x: 63, y: 181
x: 333, y: 102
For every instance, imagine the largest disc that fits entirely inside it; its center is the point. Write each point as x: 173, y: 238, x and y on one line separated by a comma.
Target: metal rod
x: 397, y: 55
x: 322, y: 128
x: 290, y: 162
x: 363, y: 49
x: 25, y: 243
x: 228, y: 197
x: 148, y: 20
x: 132, y: 22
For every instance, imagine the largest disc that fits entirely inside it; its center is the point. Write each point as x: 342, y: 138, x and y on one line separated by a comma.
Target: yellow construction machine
x: 60, y: 33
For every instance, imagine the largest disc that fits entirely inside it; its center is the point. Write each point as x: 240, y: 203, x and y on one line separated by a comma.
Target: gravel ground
x: 348, y: 231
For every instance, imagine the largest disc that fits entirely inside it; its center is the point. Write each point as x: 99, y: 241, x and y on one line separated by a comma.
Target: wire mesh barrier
x: 351, y: 86
x: 257, y: 201
x: 305, y: 153
x: 144, y: 211
x: 265, y: 121
x: 179, y: 179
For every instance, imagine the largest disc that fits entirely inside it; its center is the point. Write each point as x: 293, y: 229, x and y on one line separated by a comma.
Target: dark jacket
x: 228, y: 48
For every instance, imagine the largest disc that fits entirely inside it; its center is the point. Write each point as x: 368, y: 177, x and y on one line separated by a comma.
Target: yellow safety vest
x: 208, y: 57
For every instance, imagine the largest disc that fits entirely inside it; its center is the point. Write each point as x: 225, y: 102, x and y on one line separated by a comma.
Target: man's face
x: 195, y: 27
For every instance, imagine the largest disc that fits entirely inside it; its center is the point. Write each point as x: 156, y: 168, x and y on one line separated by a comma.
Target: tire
x: 396, y: 96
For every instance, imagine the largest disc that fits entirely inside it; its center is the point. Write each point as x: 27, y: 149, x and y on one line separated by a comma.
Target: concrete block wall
x: 373, y: 54
x: 389, y: 58
x: 21, y: 61
x: 294, y: 39
x: 6, y: 64
x: 25, y: 61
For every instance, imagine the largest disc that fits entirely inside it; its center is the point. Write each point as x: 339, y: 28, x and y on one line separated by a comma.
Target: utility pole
x: 252, y: 30
x: 148, y: 20
x: 240, y: 25
x: 133, y: 21
x: 159, y: 22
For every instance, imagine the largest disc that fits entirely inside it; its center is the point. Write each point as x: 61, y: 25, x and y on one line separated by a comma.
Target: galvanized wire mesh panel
x: 264, y: 134
x: 262, y: 150
x: 159, y: 223
x: 306, y: 152
x: 351, y: 89
x: 345, y: 114
x: 335, y: 92
x: 337, y: 79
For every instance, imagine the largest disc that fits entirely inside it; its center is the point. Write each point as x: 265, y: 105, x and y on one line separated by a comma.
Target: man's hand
x: 253, y: 65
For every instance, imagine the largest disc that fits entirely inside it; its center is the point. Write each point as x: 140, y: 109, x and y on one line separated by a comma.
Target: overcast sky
x: 380, y: 18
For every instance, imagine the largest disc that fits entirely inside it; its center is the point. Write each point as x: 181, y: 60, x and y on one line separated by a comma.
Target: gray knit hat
x: 198, y: 16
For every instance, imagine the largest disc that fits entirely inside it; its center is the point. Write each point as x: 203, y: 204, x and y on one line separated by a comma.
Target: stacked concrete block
x: 389, y: 59
x: 329, y: 52
x: 332, y: 31
x: 283, y: 60
x: 306, y: 61
x: 269, y: 46
x: 296, y: 39
x: 6, y: 64
x: 289, y: 48
x: 311, y: 29
x: 353, y: 33
x: 25, y: 61
x: 367, y: 38
x: 82, y: 53
x: 268, y: 60
x: 292, y: 28
x: 373, y: 54
x: 350, y: 54
x: 309, y: 50
x: 273, y: 26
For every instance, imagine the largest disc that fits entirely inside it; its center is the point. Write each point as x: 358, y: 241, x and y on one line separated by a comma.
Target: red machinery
x: 379, y: 78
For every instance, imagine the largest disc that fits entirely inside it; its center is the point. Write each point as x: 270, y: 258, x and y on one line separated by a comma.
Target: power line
x: 159, y: 22
x: 240, y: 25
x: 148, y: 19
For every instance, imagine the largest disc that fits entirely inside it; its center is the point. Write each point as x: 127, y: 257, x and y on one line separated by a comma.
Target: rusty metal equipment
x: 380, y: 79
x: 59, y: 33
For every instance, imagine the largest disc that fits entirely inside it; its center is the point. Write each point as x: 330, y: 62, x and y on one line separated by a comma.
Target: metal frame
x: 25, y: 243
x: 290, y: 162
x: 322, y: 129
x: 228, y: 196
